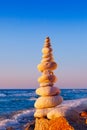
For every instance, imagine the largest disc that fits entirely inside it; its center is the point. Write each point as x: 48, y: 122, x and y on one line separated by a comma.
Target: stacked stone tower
x: 49, y: 95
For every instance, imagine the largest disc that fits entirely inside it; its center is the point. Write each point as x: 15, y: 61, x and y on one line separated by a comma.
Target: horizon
x: 24, y: 25
x: 35, y: 88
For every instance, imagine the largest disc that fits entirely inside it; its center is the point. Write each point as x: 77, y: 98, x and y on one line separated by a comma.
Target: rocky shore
x: 60, y: 123
x: 70, y: 115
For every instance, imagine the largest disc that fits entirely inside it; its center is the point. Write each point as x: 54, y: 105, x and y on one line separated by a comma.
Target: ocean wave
x: 74, y: 103
x: 17, y: 93
x: 23, y: 94
x: 32, y: 98
x: 2, y: 95
x: 16, y: 119
x: 7, y: 123
x: 23, y: 114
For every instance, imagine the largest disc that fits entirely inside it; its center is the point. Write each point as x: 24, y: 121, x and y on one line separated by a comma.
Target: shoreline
x: 75, y: 125
x: 79, y: 105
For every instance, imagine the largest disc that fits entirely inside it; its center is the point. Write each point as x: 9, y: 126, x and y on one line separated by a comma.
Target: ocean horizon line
x: 33, y: 88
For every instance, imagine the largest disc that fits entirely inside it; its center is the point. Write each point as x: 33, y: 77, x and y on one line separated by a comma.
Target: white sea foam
x: 24, y: 94
x: 75, y: 103
x: 7, y: 123
x: 26, y: 113
x: 15, y: 120
x: 2, y: 95
x: 32, y: 98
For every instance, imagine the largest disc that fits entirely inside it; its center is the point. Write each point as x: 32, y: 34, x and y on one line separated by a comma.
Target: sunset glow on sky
x: 24, y: 24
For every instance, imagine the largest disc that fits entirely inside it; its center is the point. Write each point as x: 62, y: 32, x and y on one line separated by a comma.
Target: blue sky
x: 24, y: 24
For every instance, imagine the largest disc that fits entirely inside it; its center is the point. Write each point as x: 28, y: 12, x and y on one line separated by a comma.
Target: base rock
x: 56, y: 124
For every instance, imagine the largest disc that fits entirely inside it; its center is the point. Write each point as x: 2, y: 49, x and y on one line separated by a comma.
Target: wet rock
x: 30, y: 126
x: 10, y: 128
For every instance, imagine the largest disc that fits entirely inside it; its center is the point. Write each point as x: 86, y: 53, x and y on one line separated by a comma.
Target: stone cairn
x: 49, y: 95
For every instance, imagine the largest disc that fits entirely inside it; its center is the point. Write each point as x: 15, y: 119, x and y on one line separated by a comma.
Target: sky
x: 24, y: 25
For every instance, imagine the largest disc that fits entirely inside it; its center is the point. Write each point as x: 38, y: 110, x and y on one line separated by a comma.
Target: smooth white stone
x: 42, y: 112
x: 70, y: 109
x: 47, y: 78
x: 47, y: 91
x: 47, y: 65
x: 49, y: 59
x: 62, y: 111
x: 47, y: 55
x: 46, y: 50
x: 48, y: 101
x: 46, y: 84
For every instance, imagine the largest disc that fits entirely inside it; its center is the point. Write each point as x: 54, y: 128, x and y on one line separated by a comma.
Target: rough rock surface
x: 10, y: 128
x: 55, y: 124
x: 30, y: 126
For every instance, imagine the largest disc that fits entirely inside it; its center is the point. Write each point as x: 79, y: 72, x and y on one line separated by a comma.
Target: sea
x: 17, y: 105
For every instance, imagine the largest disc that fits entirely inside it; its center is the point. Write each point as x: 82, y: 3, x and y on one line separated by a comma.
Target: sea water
x: 17, y: 106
